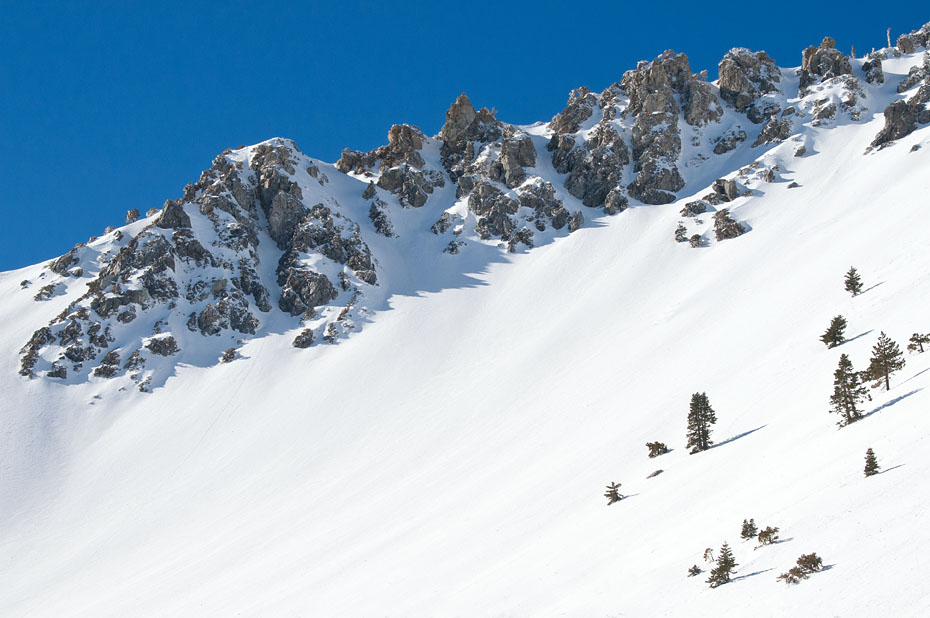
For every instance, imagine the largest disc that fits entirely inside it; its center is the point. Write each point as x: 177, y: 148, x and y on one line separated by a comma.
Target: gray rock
x: 163, y: 346
x: 774, y: 131
x: 304, y: 339
x: 493, y: 209
x: 906, y: 44
x: 580, y: 107
x: 576, y: 222
x: 873, y: 71
x: 303, y: 289
x: 173, y: 216
x: 369, y: 192
x: 745, y: 76
x: 725, y: 226
x: 822, y: 62
x: 729, y: 141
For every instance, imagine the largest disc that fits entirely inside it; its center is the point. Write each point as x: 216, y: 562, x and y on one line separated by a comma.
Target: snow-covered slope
x: 447, y: 455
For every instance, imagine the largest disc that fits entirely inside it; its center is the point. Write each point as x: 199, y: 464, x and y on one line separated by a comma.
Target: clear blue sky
x: 106, y: 106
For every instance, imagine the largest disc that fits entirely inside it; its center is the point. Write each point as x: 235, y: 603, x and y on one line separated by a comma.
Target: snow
x: 449, y: 459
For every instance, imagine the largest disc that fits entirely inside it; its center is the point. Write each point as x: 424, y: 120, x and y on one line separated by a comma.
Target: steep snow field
x: 450, y: 459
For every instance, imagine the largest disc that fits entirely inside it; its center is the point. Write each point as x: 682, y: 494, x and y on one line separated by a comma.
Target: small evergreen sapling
x: 853, y: 282
x: 694, y: 570
x: 835, y: 332
x: 613, y: 493
x: 886, y: 359
x: 656, y: 449
x: 871, y: 463
x: 722, y: 572
x: 848, y: 392
x: 700, y: 417
x: 749, y: 529
x: 917, y: 342
x: 768, y: 536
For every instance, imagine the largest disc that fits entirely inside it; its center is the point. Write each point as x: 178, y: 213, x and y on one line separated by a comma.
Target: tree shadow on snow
x: 871, y: 287
x: 753, y: 574
x: 859, y: 336
x: 915, y: 375
x: 737, y: 437
x: 891, y: 468
x: 888, y: 404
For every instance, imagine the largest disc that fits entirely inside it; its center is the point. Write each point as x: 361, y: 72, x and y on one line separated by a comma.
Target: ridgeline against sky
x: 112, y: 107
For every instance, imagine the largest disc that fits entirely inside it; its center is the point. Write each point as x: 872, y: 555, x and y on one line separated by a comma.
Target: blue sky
x: 106, y: 106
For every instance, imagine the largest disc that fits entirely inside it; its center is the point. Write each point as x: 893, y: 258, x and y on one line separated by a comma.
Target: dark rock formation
x: 163, y: 345
x: 824, y: 61
x: 873, y: 71
x: 173, y: 216
x: 746, y: 76
x: 463, y: 130
x: 902, y: 117
x: 725, y: 226
x: 729, y: 141
x: 652, y: 88
x: 303, y: 289
x: 304, y: 339
x: 493, y: 209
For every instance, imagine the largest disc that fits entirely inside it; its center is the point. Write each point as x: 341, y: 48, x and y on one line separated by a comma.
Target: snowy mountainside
x: 446, y: 457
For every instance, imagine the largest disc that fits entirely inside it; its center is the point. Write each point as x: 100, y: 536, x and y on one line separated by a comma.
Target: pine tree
x: 835, y: 333
x: 726, y: 563
x: 749, y: 529
x: 847, y: 392
x: 871, y: 463
x: 656, y: 448
x: 886, y: 359
x: 694, y: 570
x: 853, y: 283
x: 700, y: 417
x: 917, y: 342
x: 613, y: 493
x: 810, y: 563
x: 768, y: 536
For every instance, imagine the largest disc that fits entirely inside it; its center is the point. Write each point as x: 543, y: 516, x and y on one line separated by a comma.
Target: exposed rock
x: 576, y: 222
x: 109, y: 366
x: 303, y: 289
x: 696, y: 241
x: 547, y: 208
x: 58, y: 370
x: 370, y: 191
x: 493, y: 209
x: 873, y: 71
x: 463, y: 129
x: 522, y: 236
x: 380, y: 220
x: 729, y: 141
x: 163, y: 345
x: 443, y: 224
x: 692, y: 209
x: 63, y: 263
x: 916, y: 74
x: 774, y: 131
x: 745, y: 76
x: 822, y: 62
x: 793, y: 185
x: 46, y: 291
x: 173, y: 216
x: 517, y: 152
x: 595, y: 169
x: 304, y: 339
x: 726, y: 227
x: 652, y: 89
x: 906, y: 44
x: 135, y: 361
x: 581, y: 104
x: 229, y: 355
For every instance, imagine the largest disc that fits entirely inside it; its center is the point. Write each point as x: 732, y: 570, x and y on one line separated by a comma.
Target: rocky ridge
x: 268, y: 235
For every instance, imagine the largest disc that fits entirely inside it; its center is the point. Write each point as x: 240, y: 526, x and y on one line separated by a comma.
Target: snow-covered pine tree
x: 700, y: 417
x: 853, y: 282
x: 886, y: 359
x: 835, y: 334
x: 871, y: 463
x: 848, y: 391
x: 749, y: 529
x: 613, y: 493
x: 726, y: 563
